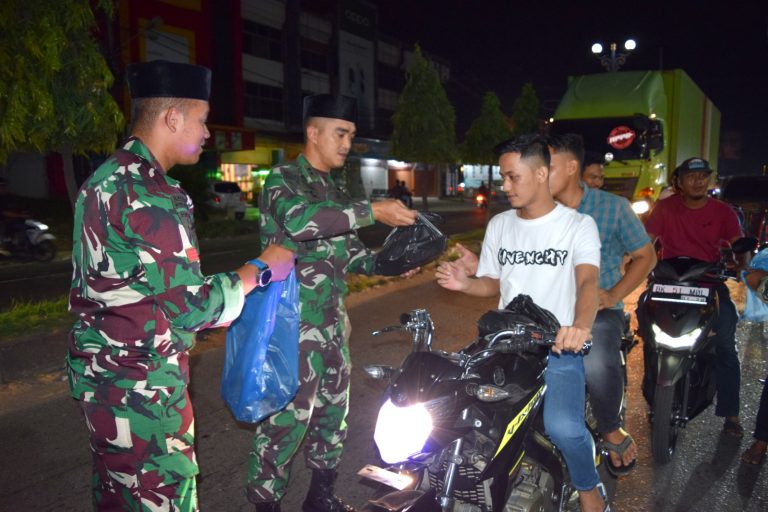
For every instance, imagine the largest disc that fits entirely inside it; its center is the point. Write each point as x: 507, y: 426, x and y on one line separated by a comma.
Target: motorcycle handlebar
x: 510, y: 342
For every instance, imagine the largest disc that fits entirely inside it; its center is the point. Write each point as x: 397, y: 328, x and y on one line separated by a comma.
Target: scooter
x: 34, y: 242
x: 462, y: 431
x: 676, y: 314
x: 481, y: 201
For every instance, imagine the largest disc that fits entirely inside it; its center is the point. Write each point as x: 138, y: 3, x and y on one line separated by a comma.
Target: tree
x: 424, y: 122
x: 54, y: 82
x: 525, y: 111
x: 484, y: 133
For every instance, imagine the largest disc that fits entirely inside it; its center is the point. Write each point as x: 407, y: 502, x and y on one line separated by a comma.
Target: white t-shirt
x: 538, y: 257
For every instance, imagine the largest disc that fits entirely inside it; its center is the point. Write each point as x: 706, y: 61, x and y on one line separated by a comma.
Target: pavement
x: 46, y: 463
x: 32, y: 356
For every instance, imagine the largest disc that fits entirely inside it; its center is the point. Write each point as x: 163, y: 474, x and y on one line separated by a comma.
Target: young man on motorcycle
x: 690, y: 223
x: 621, y: 233
x: 551, y: 253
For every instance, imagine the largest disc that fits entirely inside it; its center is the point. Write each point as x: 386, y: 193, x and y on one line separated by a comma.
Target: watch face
x: 265, y: 277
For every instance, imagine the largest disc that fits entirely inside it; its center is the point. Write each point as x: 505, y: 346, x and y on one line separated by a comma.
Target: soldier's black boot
x: 268, y: 506
x: 320, y: 497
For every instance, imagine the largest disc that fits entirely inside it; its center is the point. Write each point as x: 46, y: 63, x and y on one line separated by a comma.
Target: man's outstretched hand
x: 393, y: 212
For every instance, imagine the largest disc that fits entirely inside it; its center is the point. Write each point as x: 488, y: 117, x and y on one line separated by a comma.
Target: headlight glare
x: 401, y: 431
x: 683, y: 342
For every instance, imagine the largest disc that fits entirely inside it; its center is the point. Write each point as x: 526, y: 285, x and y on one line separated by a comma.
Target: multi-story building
x: 266, y: 55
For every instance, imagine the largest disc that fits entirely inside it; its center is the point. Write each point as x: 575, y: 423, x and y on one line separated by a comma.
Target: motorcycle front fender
x: 671, y: 366
x: 406, y: 500
x: 36, y: 237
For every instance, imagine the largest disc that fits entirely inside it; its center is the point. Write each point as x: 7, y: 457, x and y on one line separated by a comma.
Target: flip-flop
x: 623, y: 469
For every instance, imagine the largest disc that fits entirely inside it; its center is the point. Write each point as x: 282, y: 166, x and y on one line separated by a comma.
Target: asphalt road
x: 31, y: 281
x: 45, y: 460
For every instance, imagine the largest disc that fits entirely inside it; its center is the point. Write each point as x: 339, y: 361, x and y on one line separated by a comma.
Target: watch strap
x: 258, y: 264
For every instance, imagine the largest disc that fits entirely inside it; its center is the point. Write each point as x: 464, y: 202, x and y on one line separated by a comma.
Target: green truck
x: 644, y: 122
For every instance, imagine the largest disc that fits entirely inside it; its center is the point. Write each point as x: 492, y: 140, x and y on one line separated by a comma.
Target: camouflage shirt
x: 137, y: 288
x: 306, y: 211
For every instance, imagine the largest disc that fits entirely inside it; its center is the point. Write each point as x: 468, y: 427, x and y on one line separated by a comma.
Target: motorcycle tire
x: 664, y: 429
x: 44, y: 251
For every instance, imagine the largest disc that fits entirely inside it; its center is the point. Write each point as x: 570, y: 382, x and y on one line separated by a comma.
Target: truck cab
x: 644, y: 123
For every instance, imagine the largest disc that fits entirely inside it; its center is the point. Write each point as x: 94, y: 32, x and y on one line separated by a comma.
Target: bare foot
x: 755, y: 454
x: 591, y: 501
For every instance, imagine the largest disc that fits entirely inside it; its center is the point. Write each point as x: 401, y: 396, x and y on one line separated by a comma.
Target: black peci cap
x: 328, y: 105
x: 163, y: 79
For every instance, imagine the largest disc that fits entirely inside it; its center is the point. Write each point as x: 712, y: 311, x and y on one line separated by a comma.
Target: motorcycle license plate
x: 676, y: 293
x: 386, y: 477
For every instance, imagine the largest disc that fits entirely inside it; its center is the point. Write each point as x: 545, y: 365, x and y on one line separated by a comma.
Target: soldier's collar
x: 308, y: 169
x: 137, y: 147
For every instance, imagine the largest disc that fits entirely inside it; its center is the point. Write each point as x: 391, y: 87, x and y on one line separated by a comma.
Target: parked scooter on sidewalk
x: 462, y: 431
x: 34, y: 241
x: 676, y: 315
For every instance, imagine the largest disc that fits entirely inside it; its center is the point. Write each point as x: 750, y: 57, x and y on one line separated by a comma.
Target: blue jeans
x: 727, y: 366
x: 602, y: 365
x: 564, y: 418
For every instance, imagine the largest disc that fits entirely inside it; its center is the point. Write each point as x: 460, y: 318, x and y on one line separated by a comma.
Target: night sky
x: 499, y: 45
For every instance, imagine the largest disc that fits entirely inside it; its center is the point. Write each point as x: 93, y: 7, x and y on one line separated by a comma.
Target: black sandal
x: 620, y: 449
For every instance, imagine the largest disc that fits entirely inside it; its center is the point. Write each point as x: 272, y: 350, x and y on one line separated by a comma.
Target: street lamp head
x: 630, y: 44
x: 597, y: 48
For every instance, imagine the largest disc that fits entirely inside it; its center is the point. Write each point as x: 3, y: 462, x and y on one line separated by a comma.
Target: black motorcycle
x: 462, y: 431
x: 676, y: 314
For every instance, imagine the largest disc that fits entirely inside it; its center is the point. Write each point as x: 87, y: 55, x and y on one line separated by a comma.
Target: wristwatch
x: 265, y: 274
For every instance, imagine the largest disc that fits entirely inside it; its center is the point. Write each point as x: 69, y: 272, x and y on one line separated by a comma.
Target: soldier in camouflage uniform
x: 306, y: 211
x: 139, y: 297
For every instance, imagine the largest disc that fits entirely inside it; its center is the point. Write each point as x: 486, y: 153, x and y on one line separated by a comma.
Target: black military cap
x: 328, y: 105
x: 163, y: 79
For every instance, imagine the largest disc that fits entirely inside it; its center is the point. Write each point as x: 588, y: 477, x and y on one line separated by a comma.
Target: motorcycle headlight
x: 683, y: 342
x: 401, y: 431
x: 640, y: 207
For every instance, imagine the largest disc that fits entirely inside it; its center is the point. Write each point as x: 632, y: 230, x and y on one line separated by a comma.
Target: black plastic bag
x: 408, y: 247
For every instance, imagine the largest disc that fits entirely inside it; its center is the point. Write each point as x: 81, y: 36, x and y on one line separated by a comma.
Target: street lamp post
x: 612, y: 60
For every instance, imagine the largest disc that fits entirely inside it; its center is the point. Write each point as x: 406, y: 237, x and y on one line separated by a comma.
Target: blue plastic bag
x: 756, y: 310
x: 261, y: 362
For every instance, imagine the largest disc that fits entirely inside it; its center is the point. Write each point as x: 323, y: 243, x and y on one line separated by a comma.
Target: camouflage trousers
x: 143, y: 449
x: 317, y: 412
